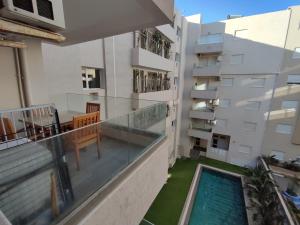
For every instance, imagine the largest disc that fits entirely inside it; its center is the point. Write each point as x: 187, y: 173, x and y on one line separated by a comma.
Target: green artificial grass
x: 167, y: 206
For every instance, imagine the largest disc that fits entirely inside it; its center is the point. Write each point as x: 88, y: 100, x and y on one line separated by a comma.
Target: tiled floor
x: 94, y: 172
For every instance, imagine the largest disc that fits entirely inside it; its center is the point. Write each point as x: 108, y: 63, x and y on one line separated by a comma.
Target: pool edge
x: 187, y: 208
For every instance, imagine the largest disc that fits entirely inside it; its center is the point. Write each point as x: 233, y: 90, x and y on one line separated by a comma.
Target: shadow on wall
x: 243, y: 55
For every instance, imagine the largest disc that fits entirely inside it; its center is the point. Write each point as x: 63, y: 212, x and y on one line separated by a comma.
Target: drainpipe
x: 20, y: 78
x: 22, y: 65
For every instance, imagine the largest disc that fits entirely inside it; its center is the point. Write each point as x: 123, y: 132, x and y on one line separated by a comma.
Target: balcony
x: 205, y: 114
x: 124, y: 158
x: 209, y: 44
x: 207, y: 71
x: 202, y: 131
x: 205, y: 94
x: 144, y: 58
x: 81, y: 18
x: 152, y: 49
x: 168, y: 31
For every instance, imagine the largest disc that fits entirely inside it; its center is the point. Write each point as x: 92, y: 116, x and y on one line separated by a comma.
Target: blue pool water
x: 219, y: 200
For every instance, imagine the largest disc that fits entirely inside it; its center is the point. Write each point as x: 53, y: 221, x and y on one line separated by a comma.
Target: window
x: 221, y: 123
x: 93, y: 78
x: 289, y: 105
x: 237, y: 59
x: 293, y: 79
x: 284, y: 128
x: 277, y: 155
x: 296, y: 54
x: 250, y: 126
x: 241, y: 33
x: 258, y: 82
x: 227, y: 82
x: 253, y: 105
x: 224, y: 103
x: 245, y: 149
x: 220, y: 141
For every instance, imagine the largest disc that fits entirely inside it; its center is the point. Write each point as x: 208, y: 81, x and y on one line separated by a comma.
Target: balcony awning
x: 13, y: 28
x: 88, y: 20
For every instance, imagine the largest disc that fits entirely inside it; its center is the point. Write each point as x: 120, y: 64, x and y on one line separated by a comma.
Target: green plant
x: 264, y: 199
x: 143, y: 37
x: 157, y: 42
x: 167, y: 47
x: 291, y: 166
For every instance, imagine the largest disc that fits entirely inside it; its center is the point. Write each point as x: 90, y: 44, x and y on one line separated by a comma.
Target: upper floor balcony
x: 203, y: 113
x: 201, y: 130
x: 152, y: 50
x: 209, y: 44
x: 90, y: 171
x: 207, y: 70
x: 209, y: 93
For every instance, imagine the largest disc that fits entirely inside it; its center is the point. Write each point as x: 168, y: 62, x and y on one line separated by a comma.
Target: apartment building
x: 282, y: 137
x: 118, y: 185
x: 235, y: 70
x: 140, y: 65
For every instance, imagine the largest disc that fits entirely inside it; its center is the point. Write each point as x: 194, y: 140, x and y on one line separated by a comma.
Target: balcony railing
x: 203, y: 127
x: 210, y: 39
x: 153, y: 42
x: 143, y: 83
x: 206, y: 109
x: 42, y: 182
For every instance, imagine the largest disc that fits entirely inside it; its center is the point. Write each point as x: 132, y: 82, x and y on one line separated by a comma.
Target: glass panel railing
x: 203, y: 88
x: 211, y: 39
x: 202, y: 126
x: 42, y: 182
x: 110, y: 107
x: 204, y: 109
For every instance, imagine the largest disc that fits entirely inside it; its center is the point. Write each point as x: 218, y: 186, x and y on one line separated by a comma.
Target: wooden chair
x: 86, y: 136
x: 7, y: 130
x: 92, y: 107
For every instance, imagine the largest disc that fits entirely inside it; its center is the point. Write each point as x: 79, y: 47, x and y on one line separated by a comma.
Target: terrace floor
x: 166, y: 208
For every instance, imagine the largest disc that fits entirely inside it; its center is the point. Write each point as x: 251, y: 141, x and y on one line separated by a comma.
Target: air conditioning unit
x: 48, y: 14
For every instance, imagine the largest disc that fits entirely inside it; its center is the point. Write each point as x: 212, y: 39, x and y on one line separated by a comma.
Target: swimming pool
x: 217, y: 199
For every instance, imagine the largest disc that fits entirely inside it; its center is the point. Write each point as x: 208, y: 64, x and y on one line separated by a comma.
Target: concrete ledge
x: 128, y: 196
x: 144, y: 58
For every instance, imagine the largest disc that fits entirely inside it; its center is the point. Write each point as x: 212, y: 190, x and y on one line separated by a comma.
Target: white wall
x: 8, y: 86
x: 62, y: 66
x: 236, y: 114
x: 128, y: 203
x: 193, y: 33
x: 33, y: 71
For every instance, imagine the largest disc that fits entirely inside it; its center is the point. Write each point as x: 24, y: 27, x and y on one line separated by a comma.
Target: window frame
x: 87, y: 88
x: 293, y: 83
x: 253, y: 109
x: 225, y: 100
x: 294, y: 108
x: 284, y: 124
x: 258, y: 86
x: 229, y: 78
x: 250, y: 123
x: 296, y: 54
x: 242, y: 59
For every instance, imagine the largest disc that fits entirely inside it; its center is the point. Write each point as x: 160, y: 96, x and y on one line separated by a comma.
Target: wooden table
x: 65, y: 119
